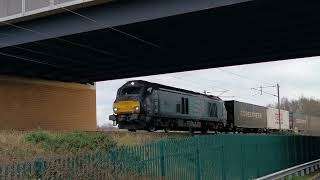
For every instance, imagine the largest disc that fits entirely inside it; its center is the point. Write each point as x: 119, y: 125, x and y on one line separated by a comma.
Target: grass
x: 28, y: 145
x: 134, y: 138
x: 13, y: 147
x: 71, y: 141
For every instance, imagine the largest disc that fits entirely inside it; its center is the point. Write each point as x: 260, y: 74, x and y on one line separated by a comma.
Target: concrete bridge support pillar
x: 31, y: 104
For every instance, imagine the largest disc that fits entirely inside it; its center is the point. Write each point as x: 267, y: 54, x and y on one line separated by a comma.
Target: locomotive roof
x: 172, y: 88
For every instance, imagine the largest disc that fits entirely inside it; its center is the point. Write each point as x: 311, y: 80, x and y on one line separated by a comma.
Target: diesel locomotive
x: 142, y: 105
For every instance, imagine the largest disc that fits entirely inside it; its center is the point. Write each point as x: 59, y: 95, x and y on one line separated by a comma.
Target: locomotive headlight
x: 115, y: 109
x: 136, y: 109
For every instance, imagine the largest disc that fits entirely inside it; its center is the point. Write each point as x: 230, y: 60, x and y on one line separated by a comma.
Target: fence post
x: 295, y: 150
x: 113, y: 164
x: 162, y: 163
x: 258, y: 160
x: 39, y: 169
x: 198, y: 160
x: 242, y: 162
x: 223, y: 161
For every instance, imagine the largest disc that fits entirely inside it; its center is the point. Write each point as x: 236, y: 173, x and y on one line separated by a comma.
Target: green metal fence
x: 198, y: 158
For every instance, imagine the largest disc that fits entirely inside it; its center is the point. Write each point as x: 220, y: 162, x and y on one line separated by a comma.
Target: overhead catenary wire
x: 222, y: 92
x: 174, y: 78
x: 43, y: 53
x: 219, y: 95
x: 268, y: 93
x: 39, y: 52
x: 101, y: 24
x: 266, y: 86
x: 191, y: 82
x: 67, y: 41
x: 40, y: 62
x: 77, y: 44
x: 110, y: 27
x: 198, y: 85
x: 28, y: 59
x: 241, y: 76
x: 63, y: 40
x: 214, y: 87
x: 37, y: 61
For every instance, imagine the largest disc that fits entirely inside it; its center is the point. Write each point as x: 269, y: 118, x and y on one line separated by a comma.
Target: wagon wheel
x: 166, y: 130
x: 151, y: 128
x: 191, y: 131
x: 204, y: 131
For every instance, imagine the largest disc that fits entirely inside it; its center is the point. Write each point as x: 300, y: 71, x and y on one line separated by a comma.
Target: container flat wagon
x: 273, y: 119
x: 245, y: 117
x: 313, y: 126
x: 299, y: 122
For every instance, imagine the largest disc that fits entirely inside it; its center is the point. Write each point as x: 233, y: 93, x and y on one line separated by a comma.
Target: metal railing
x: 300, y: 170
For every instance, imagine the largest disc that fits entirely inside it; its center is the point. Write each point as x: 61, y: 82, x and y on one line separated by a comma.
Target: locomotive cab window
x: 131, y: 91
x: 212, y: 110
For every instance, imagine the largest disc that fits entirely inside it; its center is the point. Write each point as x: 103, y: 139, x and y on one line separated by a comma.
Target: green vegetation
x: 30, y: 145
x: 302, y: 104
x: 72, y: 141
x: 307, y: 177
x: 37, y: 137
x: 299, y: 178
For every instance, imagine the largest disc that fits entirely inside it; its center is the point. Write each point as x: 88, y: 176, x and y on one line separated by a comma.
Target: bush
x: 37, y: 137
x: 73, y: 141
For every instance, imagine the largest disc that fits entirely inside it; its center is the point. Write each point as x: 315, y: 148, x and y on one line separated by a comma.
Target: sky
x: 296, y: 77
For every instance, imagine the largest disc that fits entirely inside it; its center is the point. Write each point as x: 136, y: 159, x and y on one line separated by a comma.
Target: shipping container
x: 299, y: 122
x: 244, y: 115
x: 313, y: 126
x: 273, y: 119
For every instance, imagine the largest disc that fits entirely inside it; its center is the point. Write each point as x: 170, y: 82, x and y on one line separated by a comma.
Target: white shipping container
x: 273, y: 119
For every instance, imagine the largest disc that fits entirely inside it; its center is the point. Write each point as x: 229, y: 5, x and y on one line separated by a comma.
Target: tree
x: 310, y: 106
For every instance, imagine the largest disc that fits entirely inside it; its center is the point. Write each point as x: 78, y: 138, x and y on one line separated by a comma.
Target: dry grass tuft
x: 14, y: 147
x: 134, y: 138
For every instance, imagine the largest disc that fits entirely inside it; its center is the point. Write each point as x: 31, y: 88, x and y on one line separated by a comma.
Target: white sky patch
x: 296, y: 77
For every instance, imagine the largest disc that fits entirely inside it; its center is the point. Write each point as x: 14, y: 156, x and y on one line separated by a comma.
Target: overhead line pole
x: 278, y: 96
x: 278, y: 89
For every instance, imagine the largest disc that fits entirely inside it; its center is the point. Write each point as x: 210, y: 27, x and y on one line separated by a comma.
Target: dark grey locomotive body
x: 164, y: 107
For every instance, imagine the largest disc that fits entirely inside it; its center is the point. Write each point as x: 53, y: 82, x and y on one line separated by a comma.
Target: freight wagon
x: 313, y: 126
x: 244, y: 117
x: 299, y: 122
x: 273, y: 119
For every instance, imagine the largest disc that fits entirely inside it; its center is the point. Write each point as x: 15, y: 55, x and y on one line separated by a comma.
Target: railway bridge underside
x: 128, y: 39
